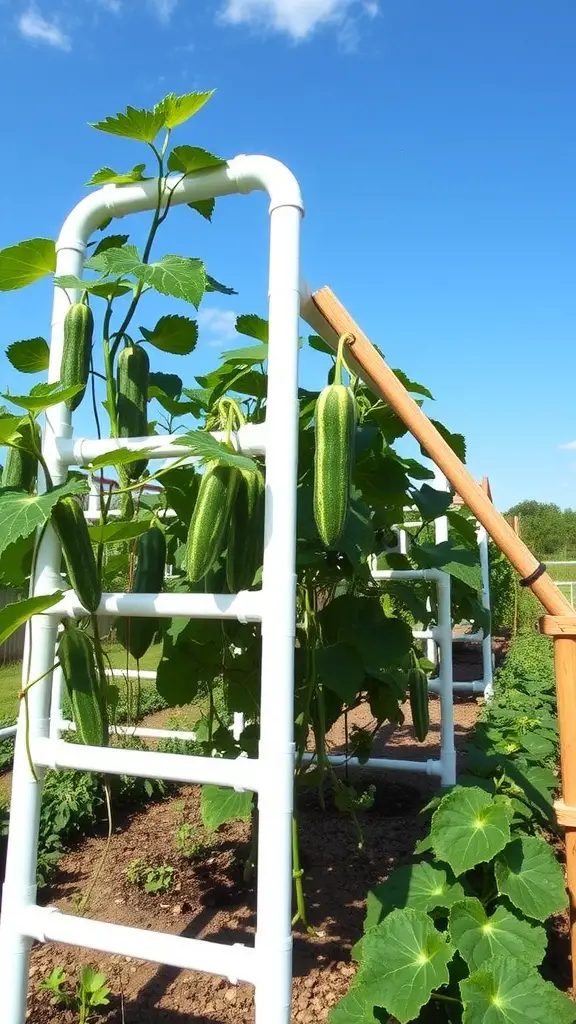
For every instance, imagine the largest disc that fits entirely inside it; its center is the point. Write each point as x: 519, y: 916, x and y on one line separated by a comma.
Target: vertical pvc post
x: 445, y: 680
x: 440, y: 535
x: 276, y: 749
x: 19, y: 891
x: 488, y: 673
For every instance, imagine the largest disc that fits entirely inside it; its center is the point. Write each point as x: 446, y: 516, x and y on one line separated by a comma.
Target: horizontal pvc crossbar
x: 240, y: 774
x: 137, y: 730
x: 246, y: 606
x: 7, y: 732
x: 48, y: 924
x: 430, y: 767
x: 80, y: 451
x: 130, y: 673
x: 468, y: 638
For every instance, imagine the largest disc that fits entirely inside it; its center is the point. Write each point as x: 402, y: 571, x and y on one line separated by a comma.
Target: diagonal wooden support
x: 331, y: 320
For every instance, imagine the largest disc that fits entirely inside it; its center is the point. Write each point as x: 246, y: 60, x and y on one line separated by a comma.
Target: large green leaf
x: 26, y: 262
x: 140, y: 125
x: 430, y: 502
x: 341, y: 670
x: 29, y: 356
x: 110, y: 242
x: 252, y: 326
x: 42, y: 396
x: 421, y: 886
x: 21, y: 514
x: 176, y: 110
x: 528, y: 873
x: 454, y: 559
x: 404, y: 960
x: 205, y: 207
x: 479, y: 937
x: 357, y: 1007
x: 178, y: 276
x: 168, y: 383
x: 9, y: 427
x: 412, y: 385
x: 507, y: 991
x: 248, y: 356
x: 108, y: 176
x: 187, y: 159
x: 12, y: 616
x: 219, y: 804
x: 16, y: 562
x: 175, y: 334
x: 103, y: 288
x: 116, y: 457
x: 207, y: 448
x: 470, y: 827
x: 113, y: 533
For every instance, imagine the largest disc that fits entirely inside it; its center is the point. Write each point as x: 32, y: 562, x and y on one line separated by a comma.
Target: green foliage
x: 152, y: 878
x: 90, y: 992
x: 549, y: 531
x: 189, y: 842
x: 468, y: 918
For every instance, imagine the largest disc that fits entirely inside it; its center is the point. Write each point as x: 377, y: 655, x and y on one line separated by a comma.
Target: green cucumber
x: 132, y: 401
x: 77, y: 350
x: 210, y: 519
x: 335, y: 425
x: 21, y: 468
x: 77, y: 657
x: 70, y: 525
x: 419, y: 703
x: 245, y: 548
x: 136, y: 634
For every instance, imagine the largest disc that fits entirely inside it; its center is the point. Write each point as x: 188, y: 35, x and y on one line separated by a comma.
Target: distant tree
x: 547, y: 529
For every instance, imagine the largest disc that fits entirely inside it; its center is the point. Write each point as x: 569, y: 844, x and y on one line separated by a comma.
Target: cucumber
x: 210, y: 519
x: 70, y: 525
x: 245, y: 548
x: 136, y: 634
x: 132, y: 401
x: 419, y: 705
x: 77, y: 350
x: 335, y: 425
x: 78, y: 660
x: 21, y: 468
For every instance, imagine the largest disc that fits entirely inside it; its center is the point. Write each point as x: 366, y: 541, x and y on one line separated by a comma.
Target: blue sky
x: 434, y: 142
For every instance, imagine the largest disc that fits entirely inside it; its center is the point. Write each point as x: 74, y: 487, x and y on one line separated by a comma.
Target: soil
x: 209, y: 899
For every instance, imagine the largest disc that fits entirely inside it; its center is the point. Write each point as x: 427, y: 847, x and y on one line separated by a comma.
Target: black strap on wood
x: 538, y: 572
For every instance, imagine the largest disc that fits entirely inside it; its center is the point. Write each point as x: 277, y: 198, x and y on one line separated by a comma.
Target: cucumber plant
x: 354, y: 644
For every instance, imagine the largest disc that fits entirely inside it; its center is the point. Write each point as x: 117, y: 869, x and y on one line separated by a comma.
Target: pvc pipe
x: 383, y: 764
x: 446, y: 682
x: 273, y: 940
x: 241, y: 773
x: 138, y: 730
x: 131, y: 673
x: 7, y: 732
x: 468, y: 638
x: 48, y: 924
x: 488, y: 669
x: 80, y: 451
x: 246, y: 606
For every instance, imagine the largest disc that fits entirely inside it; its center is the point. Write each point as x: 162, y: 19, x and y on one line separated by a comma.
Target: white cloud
x: 164, y: 9
x: 33, y: 25
x: 298, y: 18
x: 218, y: 325
x: 569, y: 446
x: 114, y: 6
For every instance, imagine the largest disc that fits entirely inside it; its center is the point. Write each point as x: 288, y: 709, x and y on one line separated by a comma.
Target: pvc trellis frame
x: 485, y: 685
x: 267, y: 965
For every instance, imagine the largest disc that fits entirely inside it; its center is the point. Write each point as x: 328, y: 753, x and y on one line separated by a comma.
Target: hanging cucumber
x: 419, y: 704
x: 245, y: 548
x: 136, y: 634
x: 77, y: 657
x: 70, y: 524
x: 77, y: 350
x: 210, y: 519
x: 132, y: 400
x: 21, y: 468
x: 335, y: 426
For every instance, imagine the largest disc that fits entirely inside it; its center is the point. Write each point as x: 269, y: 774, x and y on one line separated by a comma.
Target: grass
x: 11, y: 681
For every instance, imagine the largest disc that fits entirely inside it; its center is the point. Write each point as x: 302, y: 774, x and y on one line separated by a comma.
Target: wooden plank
x: 558, y: 625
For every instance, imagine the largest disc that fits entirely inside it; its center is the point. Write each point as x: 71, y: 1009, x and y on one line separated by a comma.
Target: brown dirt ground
x: 209, y: 899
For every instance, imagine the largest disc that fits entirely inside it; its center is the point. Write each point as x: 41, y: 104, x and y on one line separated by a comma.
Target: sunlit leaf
x: 470, y: 827
x: 177, y: 276
x: 479, y: 938
x: 140, y: 125
x: 417, y: 886
x: 172, y: 333
x: 113, y: 533
x: 29, y: 356
x: 42, y: 396
x: 219, y: 805
x: 118, y: 457
x: 207, y: 448
x: 175, y: 110
x: 507, y: 991
x: 110, y: 242
x: 528, y: 873
x: 26, y: 262
x: 205, y: 207
x: 12, y: 616
x: 187, y: 159
x: 108, y: 176
x: 21, y: 514
x: 253, y: 326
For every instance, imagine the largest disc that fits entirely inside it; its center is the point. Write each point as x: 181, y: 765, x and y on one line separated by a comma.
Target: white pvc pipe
x: 488, y: 671
x: 245, y: 606
x: 48, y: 924
x: 139, y: 730
x: 273, y: 941
x: 241, y: 773
x: 7, y: 732
x: 80, y: 451
x: 382, y: 764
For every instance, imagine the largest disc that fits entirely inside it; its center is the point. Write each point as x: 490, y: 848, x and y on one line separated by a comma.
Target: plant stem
x: 298, y: 874
x: 445, y: 999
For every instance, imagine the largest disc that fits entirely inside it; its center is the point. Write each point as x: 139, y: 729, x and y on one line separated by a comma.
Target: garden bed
x: 209, y: 900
